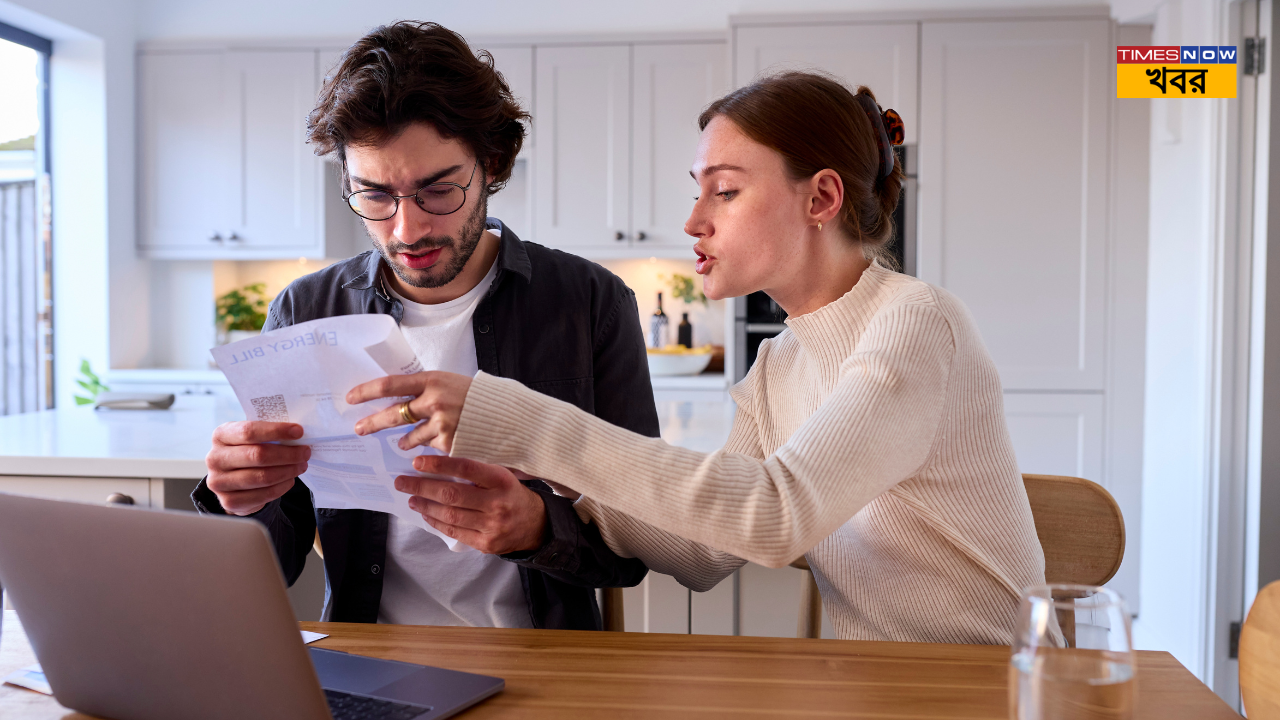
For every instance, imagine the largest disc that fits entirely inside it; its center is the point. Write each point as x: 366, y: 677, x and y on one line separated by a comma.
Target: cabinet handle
x: 216, y: 237
x: 235, y: 238
x: 619, y: 236
x: 641, y: 236
x: 120, y: 499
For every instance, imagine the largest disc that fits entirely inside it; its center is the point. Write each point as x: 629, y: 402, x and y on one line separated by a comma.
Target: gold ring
x: 406, y: 414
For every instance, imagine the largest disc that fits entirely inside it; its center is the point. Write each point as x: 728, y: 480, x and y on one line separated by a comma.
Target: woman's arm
x: 875, y: 429
x: 696, y: 566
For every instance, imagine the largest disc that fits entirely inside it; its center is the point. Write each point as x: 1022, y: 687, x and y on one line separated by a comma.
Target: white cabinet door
x: 224, y: 169
x: 187, y: 146
x: 278, y: 206
x: 1057, y: 434
x: 582, y: 156
x: 882, y: 56
x: 671, y: 84
x: 1013, y: 190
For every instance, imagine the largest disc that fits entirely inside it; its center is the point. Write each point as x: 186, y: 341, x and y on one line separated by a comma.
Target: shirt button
x: 375, y: 569
x: 484, y: 329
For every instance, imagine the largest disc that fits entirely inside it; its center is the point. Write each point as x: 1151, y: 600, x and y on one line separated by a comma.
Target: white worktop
x: 82, y: 442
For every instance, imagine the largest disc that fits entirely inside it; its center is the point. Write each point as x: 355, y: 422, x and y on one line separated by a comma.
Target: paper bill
x: 302, y: 374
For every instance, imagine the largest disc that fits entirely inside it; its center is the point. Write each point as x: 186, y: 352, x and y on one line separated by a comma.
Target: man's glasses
x: 439, y: 198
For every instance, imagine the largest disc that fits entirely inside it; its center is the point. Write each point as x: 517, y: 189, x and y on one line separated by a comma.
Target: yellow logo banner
x: 1175, y: 81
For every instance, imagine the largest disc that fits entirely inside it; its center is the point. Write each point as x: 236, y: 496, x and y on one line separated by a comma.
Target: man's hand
x: 496, y: 515
x: 438, y: 406
x: 247, y: 470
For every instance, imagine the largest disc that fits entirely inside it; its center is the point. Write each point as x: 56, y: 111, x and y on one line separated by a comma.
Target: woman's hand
x: 437, y: 407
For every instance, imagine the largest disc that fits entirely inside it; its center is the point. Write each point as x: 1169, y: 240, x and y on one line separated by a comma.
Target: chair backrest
x: 1080, y: 527
x: 1260, y: 656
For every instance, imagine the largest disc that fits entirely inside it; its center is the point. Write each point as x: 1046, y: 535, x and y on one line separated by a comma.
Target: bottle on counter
x: 684, y: 332
x: 658, y: 326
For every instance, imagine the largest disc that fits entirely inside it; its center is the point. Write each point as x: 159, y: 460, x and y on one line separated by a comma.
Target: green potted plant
x: 243, y: 312
x: 90, y: 383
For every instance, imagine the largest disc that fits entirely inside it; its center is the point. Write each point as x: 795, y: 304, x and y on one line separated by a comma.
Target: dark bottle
x: 684, y: 332
x: 658, y: 325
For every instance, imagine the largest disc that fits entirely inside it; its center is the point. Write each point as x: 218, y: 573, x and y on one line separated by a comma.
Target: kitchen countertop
x: 82, y: 442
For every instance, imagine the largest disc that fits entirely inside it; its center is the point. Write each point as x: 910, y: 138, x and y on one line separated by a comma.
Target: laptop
x: 140, y: 614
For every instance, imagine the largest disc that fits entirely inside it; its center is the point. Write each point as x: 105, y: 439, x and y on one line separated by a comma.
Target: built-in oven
x: 757, y: 317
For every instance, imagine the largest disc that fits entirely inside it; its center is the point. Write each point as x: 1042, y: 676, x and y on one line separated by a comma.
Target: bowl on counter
x: 678, y: 360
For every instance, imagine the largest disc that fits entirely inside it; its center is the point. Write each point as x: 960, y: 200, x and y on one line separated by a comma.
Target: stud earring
x: 819, y: 226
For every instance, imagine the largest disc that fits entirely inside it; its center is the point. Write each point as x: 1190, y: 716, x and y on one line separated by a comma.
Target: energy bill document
x: 302, y: 374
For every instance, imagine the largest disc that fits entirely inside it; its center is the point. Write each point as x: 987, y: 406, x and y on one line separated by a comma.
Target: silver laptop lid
x: 139, y: 613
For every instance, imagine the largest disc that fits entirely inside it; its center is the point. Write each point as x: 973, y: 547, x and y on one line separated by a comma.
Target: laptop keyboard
x: 345, y: 706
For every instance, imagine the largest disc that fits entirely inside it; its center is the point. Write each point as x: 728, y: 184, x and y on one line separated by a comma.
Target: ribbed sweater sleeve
x: 875, y: 429
x: 694, y: 565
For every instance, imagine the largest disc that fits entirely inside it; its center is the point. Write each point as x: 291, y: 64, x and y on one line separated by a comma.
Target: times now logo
x: 1173, y: 54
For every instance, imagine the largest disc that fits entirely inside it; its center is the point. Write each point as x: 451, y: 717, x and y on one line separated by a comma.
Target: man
x: 426, y: 131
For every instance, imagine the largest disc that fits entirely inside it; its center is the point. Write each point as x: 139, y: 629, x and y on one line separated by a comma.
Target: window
x: 26, y: 313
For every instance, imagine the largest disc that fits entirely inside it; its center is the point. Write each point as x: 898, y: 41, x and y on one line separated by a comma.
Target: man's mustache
x: 422, y: 246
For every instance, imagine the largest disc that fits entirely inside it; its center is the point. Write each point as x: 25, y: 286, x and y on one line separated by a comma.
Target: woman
x: 869, y: 436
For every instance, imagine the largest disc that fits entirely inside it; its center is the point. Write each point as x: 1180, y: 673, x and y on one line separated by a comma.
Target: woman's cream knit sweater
x: 869, y: 437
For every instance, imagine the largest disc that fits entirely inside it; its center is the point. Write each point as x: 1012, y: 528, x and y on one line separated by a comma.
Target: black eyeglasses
x: 438, y: 198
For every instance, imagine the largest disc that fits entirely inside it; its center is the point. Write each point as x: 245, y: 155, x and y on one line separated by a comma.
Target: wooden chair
x: 809, y: 624
x: 611, y: 609
x: 1260, y: 656
x: 1080, y: 528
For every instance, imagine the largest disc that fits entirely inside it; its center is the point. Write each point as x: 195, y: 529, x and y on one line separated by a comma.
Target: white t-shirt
x: 425, y: 583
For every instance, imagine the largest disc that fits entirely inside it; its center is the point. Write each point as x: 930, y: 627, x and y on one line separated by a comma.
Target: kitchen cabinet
x: 582, y: 149
x: 1013, y: 182
x: 1057, y: 433
x: 882, y: 56
x: 615, y: 128
x: 224, y: 169
x: 671, y: 84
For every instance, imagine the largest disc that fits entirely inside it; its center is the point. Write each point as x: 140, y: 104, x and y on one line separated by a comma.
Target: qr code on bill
x: 270, y: 408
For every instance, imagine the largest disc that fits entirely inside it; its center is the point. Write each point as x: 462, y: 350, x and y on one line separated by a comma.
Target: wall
x: 652, y: 276
x: 1193, y: 458
x: 251, y: 18
x: 92, y: 161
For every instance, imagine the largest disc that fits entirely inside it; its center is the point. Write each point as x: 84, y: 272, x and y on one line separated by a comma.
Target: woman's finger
x: 383, y: 419
x: 426, y: 434
x: 389, y: 386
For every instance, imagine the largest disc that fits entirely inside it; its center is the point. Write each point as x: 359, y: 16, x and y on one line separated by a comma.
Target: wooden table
x: 565, y: 674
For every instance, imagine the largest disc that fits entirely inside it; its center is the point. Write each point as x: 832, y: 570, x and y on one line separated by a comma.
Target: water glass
x: 1072, y: 656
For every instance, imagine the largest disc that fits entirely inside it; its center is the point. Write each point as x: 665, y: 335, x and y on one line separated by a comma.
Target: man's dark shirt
x: 553, y: 321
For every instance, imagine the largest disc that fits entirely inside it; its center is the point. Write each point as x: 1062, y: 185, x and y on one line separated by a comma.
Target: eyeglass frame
x: 418, y: 200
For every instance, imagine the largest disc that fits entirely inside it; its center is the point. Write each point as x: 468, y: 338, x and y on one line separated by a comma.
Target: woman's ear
x: 827, y: 196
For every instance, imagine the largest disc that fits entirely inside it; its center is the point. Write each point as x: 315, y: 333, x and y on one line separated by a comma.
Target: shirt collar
x: 511, y: 257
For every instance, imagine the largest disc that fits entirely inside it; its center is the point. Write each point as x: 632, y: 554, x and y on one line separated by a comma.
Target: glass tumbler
x: 1072, y: 656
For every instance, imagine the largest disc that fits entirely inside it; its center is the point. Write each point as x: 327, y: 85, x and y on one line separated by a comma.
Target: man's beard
x: 463, y: 247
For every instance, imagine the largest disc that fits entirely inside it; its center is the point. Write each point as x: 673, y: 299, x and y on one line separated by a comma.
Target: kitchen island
x: 156, y: 458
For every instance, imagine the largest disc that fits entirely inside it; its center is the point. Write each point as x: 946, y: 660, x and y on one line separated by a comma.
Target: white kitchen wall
x: 252, y: 18
x: 91, y: 88
x: 1187, y: 426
